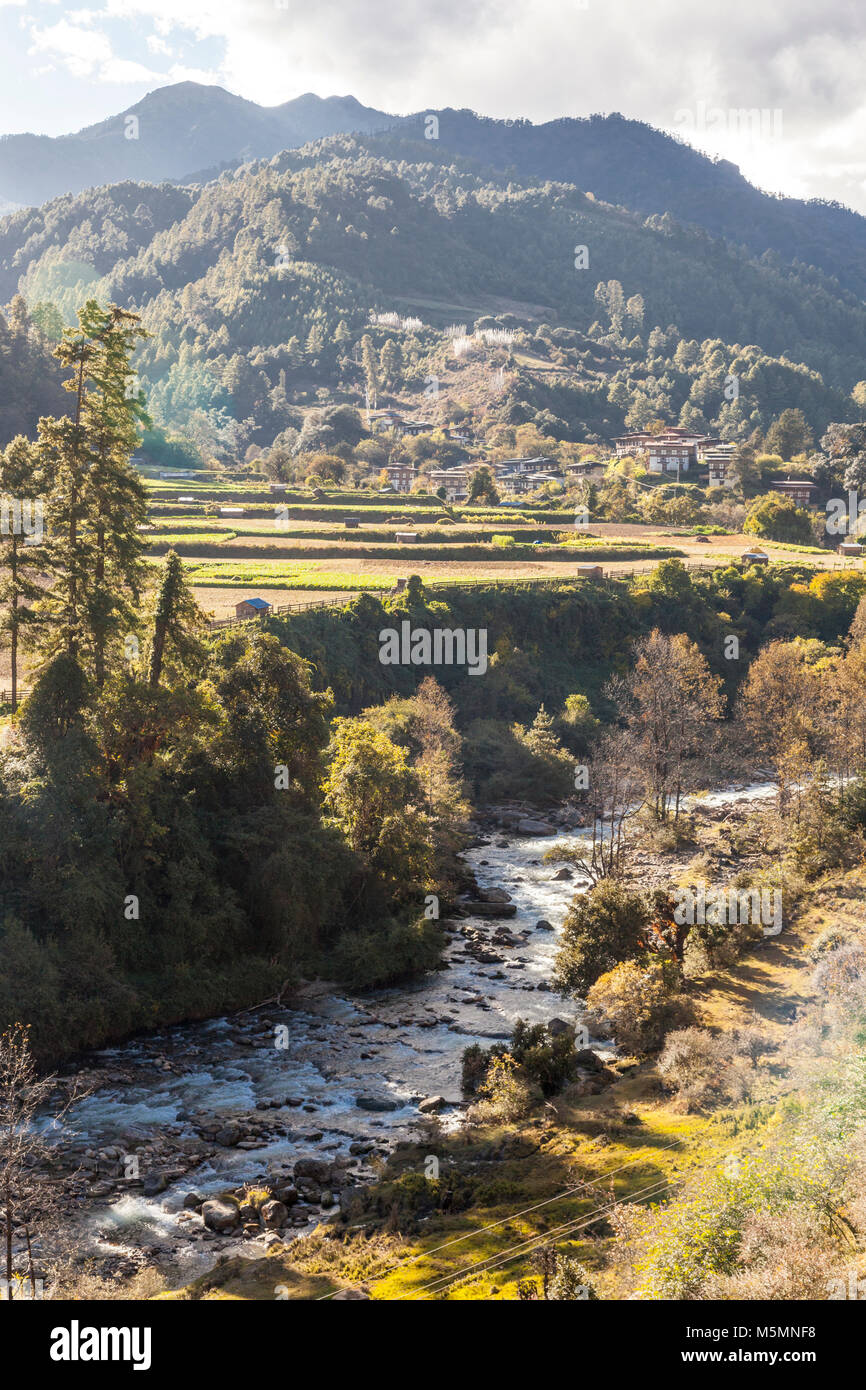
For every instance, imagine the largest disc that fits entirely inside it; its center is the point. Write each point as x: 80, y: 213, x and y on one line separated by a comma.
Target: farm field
x: 299, y: 551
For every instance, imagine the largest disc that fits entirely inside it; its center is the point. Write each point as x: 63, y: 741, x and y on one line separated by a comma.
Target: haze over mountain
x: 171, y: 134
x: 189, y: 131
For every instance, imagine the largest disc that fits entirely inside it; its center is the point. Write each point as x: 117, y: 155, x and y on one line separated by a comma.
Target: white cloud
x: 82, y: 51
x: 537, y: 58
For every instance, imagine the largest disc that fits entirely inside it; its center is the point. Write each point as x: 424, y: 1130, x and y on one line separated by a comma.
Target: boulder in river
x: 488, y: 909
x: 535, y: 827
x: 318, y: 1170
x: 431, y: 1104
x: 154, y: 1183
x: 543, y: 925
x: 220, y: 1215
x: 376, y: 1103
x: 229, y: 1135
x: 274, y: 1215
x: 557, y: 1026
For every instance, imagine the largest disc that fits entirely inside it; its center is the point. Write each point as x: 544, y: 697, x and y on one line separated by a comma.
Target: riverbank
x: 565, y: 1171
x: 308, y: 1101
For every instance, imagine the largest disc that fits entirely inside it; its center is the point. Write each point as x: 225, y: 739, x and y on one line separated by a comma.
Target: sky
x: 776, y: 86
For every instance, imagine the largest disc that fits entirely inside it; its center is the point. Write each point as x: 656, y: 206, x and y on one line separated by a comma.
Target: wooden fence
x: 279, y: 608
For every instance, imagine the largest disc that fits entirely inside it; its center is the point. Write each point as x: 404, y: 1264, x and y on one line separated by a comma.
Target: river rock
x: 585, y: 1057
x: 286, y: 1193
x: 486, y: 909
x: 274, y: 1215
x: 229, y: 1135
x: 376, y: 1103
x: 153, y: 1184
x: 495, y: 895
x: 562, y: 874
x: 431, y: 1104
x: 220, y: 1215
x: 557, y: 1026
x: 543, y: 925
x: 192, y: 1200
x: 317, y: 1170
x: 535, y: 827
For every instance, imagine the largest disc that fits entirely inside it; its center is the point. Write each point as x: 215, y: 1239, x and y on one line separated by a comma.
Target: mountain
x: 258, y: 287
x: 636, y: 166
x: 170, y: 134
x: 190, y: 131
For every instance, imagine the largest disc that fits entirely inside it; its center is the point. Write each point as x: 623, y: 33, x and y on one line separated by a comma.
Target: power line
x: 524, y: 1211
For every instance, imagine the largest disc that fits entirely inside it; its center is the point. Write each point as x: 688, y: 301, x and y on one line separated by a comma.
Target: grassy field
x: 292, y: 546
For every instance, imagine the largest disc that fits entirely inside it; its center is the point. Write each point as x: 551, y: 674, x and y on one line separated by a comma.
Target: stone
x: 585, y: 1057
x: 562, y: 874
x: 229, y: 1135
x: 274, y: 1215
x: 154, y: 1183
x: 192, y: 1200
x: 543, y: 925
x: 286, y: 1193
x: 557, y: 1026
x: 317, y: 1170
x: 535, y: 827
x: 376, y: 1103
x: 431, y: 1104
x: 220, y: 1215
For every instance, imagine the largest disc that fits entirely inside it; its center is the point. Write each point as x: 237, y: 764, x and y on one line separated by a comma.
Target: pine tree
x: 371, y: 369
x: 21, y: 562
x: 96, y: 502
x: 176, y: 618
x: 542, y: 737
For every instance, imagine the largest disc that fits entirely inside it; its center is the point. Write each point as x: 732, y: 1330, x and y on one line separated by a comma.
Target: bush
x: 603, y: 928
x: 637, y: 1002
x: 509, y: 1096
x: 841, y: 979
x: 703, y: 1068
x: 544, y: 1060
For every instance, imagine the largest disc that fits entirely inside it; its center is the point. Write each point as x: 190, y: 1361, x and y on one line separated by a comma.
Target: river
x: 389, y: 1048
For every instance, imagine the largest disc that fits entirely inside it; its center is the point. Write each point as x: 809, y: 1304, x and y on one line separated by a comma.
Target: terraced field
x: 238, y: 535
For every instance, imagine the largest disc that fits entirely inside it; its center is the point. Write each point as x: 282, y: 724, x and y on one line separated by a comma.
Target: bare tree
x: 674, y: 701
x: 615, y: 795
x: 27, y: 1199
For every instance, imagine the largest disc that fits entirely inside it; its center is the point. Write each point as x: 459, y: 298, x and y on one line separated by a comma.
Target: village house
x: 383, y: 420
x: 401, y: 476
x: 252, y: 608
x: 455, y: 481
x: 719, y: 461
x: 800, y: 490
x: 585, y: 468
x: 673, y: 450
x: 458, y: 434
x: 851, y: 549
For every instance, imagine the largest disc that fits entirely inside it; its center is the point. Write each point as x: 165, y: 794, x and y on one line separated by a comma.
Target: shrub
x: 841, y: 979
x: 547, y: 1060
x: 603, y: 927
x: 703, y: 1068
x: 509, y: 1096
x: 637, y: 1002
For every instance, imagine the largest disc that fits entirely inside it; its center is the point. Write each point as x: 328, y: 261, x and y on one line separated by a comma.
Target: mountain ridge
x: 620, y: 160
